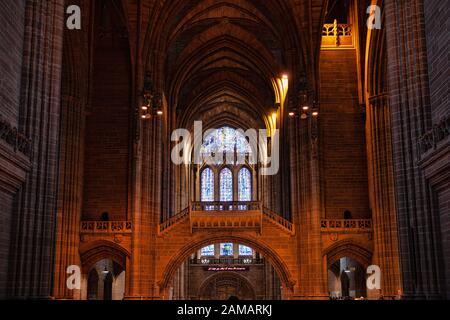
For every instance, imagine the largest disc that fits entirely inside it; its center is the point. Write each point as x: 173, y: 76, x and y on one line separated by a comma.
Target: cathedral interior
x: 348, y: 169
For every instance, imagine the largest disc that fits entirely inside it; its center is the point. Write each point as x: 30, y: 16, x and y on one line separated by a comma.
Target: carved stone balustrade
x: 346, y: 225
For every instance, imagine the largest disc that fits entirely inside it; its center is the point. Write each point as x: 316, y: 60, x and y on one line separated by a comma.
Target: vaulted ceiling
x: 225, y: 54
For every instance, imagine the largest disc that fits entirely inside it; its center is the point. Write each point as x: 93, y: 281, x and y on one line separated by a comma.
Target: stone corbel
x: 13, y: 168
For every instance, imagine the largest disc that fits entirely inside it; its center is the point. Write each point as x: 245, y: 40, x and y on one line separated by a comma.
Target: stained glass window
x: 226, y: 249
x: 207, y: 185
x: 245, y: 185
x: 226, y: 185
x: 225, y: 139
x: 207, y: 251
x: 245, y: 251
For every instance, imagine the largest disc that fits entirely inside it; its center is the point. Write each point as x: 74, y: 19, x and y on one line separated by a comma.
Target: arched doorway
x: 105, y: 281
x: 226, y: 286
x: 223, y: 271
x: 346, y: 279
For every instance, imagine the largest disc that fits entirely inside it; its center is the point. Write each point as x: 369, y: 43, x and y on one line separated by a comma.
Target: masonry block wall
x: 437, y: 26
x: 342, y: 129
x: 107, y: 126
x: 12, y: 14
x: 412, y: 108
x: 5, y: 223
x: 436, y: 163
x: 34, y: 220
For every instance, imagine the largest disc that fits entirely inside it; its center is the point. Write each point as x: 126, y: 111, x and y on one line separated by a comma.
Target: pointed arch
x: 207, y: 185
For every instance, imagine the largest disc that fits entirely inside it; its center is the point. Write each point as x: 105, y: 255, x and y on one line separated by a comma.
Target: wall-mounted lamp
x: 152, y: 102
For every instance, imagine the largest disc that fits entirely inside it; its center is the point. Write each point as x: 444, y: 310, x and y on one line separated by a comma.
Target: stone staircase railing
x: 279, y: 220
x: 168, y: 224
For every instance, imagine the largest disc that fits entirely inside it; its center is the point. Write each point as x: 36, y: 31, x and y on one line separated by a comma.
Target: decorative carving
x: 117, y: 227
x: 346, y: 225
x: 118, y: 238
x: 431, y: 139
x: 334, y: 236
x: 336, y: 30
x: 14, y: 138
x: 337, y: 34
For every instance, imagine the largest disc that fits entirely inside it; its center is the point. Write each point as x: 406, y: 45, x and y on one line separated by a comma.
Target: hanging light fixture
x: 152, y: 102
x: 105, y: 270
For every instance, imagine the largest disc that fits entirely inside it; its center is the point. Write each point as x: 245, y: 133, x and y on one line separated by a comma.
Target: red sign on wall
x: 221, y: 269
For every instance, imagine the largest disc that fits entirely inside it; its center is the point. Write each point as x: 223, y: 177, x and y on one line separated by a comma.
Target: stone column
x: 70, y: 195
x: 382, y: 197
x: 306, y: 206
x: 418, y: 229
x: 147, y: 213
x: 33, y: 226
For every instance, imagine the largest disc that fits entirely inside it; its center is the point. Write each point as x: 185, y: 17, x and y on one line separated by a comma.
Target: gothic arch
x: 102, y: 249
x: 209, y: 279
x: 269, y: 253
x: 348, y: 248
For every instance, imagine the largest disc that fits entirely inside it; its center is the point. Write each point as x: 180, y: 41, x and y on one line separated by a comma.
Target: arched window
x: 207, y: 251
x: 207, y: 185
x: 244, y: 185
x: 218, y: 181
x: 225, y: 139
x: 245, y: 251
x: 226, y: 249
x: 226, y: 185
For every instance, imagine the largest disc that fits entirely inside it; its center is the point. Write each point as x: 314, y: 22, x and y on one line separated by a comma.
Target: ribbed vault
x: 215, y: 53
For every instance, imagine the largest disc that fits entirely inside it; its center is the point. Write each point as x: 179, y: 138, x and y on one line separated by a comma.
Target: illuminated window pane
x: 226, y: 185
x: 225, y: 139
x: 208, y: 251
x: 226, y: 249
x: 245, y: 251
x: 207, y: 185
x: 245, y: 185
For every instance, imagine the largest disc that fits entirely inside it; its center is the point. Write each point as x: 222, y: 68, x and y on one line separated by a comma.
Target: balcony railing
x: 106, y: 227
x: 226, y: 206
x: 226, y: 215
x: 346, y: 225
x: 226, y: 261
x: 335, y: 35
